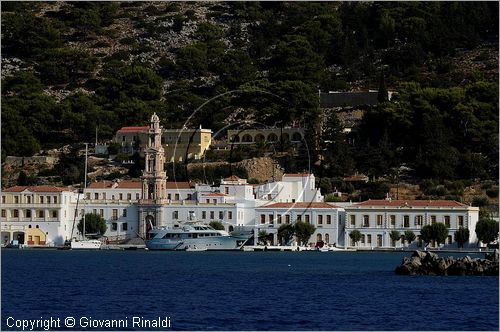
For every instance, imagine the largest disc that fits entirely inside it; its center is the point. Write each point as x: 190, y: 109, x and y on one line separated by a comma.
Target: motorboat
x: 342, y: 249
x: 330, y: 247
x: 86, y: 244
x: 324, y: 249
x: 194, y: 237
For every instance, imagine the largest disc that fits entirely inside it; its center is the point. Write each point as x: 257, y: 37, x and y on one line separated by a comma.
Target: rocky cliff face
x: 263, y: 169
x: 428, y: 263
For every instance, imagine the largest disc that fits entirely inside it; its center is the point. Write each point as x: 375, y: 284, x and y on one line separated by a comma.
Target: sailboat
x: 85, y: 243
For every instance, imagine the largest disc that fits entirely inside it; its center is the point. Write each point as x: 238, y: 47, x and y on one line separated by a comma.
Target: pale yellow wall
x: 173, y: 139
x: 35, y: 198
x: 177, y: 142
x: 36, y: 235
x: 288, y: 133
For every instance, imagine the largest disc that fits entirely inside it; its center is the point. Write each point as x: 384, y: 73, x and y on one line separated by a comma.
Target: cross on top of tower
x: 155, y: 118
x: 155, y: 122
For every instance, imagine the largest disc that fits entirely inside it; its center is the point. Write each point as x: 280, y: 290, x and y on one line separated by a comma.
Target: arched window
x: 235, y: 138
x: 231, y: 228
x: 259, y: 138
x: 319, y: 237
x: 297, y: 137
x: 247, y: 138
x: 327, y: 238
x: 272, y: 137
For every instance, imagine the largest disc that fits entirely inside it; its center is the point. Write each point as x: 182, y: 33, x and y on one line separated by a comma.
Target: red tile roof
x: 411, y: 203
x: 232, y: 178
x: 100, y: 185
x: 215, y: 194
x: 179, y: 185
x: 133, y: 129
x: 301, y: 205
x: 297, y: 175
x: 130, y: 184
x: 40, y: 189
x: 121, y: 185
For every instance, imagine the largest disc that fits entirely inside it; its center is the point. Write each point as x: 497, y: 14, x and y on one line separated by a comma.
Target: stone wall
x: 39, y: 160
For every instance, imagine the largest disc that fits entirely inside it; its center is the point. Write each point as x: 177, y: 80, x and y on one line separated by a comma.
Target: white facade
x: 37, y: 215
x: 180, y: 191
x: 120, y: 216
x: 375, y: 219
x: 324, y: 216
x: 118, y: 191
x: 292, y: 188
x: 43, y: 215
x: 116, y: 202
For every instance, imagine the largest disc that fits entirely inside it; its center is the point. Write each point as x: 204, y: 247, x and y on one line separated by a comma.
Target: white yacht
x: 194, y: 237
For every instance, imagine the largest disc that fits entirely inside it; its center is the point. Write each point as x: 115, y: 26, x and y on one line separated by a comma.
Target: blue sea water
x: 242, y: 291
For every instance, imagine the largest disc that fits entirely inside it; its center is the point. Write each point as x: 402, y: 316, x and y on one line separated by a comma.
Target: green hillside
x: 69, y: 68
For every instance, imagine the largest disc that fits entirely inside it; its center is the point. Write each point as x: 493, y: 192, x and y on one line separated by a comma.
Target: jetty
x: 429, y: 263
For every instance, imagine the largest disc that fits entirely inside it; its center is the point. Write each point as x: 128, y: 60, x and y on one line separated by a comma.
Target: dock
x: 123, y: 247
x: 275, y: 248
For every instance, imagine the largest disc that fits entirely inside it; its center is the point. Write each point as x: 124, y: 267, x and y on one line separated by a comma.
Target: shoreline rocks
x: 429, y: 263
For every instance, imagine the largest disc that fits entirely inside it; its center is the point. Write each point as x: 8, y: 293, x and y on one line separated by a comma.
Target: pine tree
x: 383, y: 95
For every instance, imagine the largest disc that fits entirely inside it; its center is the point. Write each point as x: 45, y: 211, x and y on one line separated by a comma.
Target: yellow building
x: 265, y: 135
x: 180, y: 144
x: 177, y: 143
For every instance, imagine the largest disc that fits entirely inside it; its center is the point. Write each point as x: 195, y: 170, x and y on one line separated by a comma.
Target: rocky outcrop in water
x: 428, y: 263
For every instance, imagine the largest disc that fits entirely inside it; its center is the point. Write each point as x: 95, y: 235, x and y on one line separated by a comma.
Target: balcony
x: 32, y: 205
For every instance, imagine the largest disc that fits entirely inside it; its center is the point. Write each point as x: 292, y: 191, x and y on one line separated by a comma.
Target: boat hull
x: 87, y: 244
x: 214, y: 243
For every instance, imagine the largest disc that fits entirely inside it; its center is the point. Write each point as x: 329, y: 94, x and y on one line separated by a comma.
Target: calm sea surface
x: 242, y: 291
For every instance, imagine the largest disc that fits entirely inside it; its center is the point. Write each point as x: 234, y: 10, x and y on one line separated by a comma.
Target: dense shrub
x: 492, y: 192
x: 480, y: 201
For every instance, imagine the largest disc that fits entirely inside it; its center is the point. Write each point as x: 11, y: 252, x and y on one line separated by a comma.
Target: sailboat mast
x: 84, y: 188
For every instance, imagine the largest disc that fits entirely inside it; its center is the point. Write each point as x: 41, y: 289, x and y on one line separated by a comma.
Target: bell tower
x: 154, y: 178
x: 154, y: 181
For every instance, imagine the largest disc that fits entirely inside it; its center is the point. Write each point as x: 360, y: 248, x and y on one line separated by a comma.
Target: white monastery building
x: 37, y: 215
x: 47, y: 215
x: 375, y: 219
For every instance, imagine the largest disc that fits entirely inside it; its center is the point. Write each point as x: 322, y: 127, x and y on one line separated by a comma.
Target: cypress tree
x: 383, y: 95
